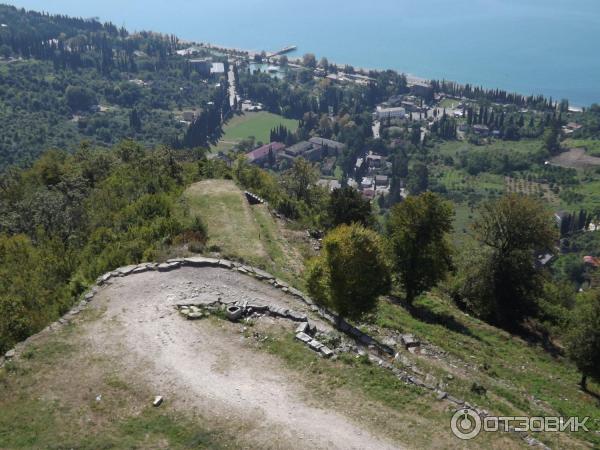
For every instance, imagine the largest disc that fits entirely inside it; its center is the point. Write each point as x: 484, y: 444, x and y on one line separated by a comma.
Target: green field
x: 524, y: 146
x: 257, y: 124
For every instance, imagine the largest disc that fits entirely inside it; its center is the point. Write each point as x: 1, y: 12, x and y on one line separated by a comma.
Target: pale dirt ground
x: 200, y: 366
x: 576, y: 158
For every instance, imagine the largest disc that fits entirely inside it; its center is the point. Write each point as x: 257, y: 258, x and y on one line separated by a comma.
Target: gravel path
x: 204, y: 366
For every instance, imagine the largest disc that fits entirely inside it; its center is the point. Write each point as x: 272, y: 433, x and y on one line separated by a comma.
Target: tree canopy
x: 418, y: 231
x: 351, y: 273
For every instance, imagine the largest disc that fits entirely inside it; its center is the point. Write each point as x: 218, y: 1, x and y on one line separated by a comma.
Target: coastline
x: 411, y: 78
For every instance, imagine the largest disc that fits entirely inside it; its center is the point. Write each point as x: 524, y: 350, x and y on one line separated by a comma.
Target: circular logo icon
x: 465, y: 424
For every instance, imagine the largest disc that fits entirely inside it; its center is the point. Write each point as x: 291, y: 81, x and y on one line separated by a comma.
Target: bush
x: 351, y: 272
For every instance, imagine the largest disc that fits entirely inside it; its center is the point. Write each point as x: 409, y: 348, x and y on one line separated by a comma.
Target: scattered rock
x: 302, y: 328
x: 441, y: 395
x: 225, y: 264
x: 201, y: 261
x: 295, y: 316
x: 10, y: 354
x: 326, y: 352
x: 262, y: 275
x: 303, y: 337
x: 409, y: 341
x: 315, y: 345
x: 157, y: 401
x: 165, y: 267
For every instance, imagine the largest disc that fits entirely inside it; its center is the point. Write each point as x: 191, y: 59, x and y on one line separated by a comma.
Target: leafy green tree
x: 299, y: 180
x: 583, y: 342
x: 551, y: 139
x: 309, y: 60
x: 346, y: 206
x: 418, y: 234
x: 503, y: 282
x: 351, y: 272
x: 418, y: 179
x: 79, y: 98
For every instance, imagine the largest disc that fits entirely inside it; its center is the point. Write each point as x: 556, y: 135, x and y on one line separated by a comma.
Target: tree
x: 418, y: 180
x: 583, y: 340
x: 299, y: 179
x: 503, y: 282
x: 309, y: 60
x: 79, y: 98
x: 134, y: 120
x: 324, y: 63
x: 346, y: 206
x: 552, y: 139
x: 351, y: 272
x: 418, y: 234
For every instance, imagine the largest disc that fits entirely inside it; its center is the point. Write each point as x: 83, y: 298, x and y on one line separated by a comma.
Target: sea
x: 549, y: 47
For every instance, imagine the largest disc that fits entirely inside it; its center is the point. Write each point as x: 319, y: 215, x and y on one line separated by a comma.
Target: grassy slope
x: 257, y: 124
x: 244, y: 232
x: 519, y: 376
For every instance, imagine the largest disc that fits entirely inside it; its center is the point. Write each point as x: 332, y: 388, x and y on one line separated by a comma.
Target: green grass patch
x: 257, y: 124
x: 519, y: 376
x: 591, y: 145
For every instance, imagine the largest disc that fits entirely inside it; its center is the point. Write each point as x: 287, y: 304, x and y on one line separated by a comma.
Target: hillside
x: 130, y: 344
x: 407, y: 253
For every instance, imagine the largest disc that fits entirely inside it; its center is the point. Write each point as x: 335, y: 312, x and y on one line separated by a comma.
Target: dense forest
x: 64, y: 81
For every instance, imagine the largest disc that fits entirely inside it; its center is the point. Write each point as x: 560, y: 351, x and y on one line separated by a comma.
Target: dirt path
x: 200, y: 365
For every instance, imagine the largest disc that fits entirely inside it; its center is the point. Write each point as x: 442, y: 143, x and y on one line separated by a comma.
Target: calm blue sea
x: 529, y: 46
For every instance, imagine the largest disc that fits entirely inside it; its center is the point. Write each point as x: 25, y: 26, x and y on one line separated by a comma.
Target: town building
x: 262, y: 155
x: 481, y: 130
x: 382, y: 113
x: 315, y: 149
x: 374, y: 161
x: 381, y: 181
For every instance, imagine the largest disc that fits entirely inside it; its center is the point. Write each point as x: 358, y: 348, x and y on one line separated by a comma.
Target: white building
x: 390, y: 113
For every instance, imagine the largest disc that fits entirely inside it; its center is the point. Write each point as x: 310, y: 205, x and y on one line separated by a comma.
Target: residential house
x: 329, y: 184
x: 381, y: 181
x: 366, y: 183
x: 374, y: 161
x: 481, y: 130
